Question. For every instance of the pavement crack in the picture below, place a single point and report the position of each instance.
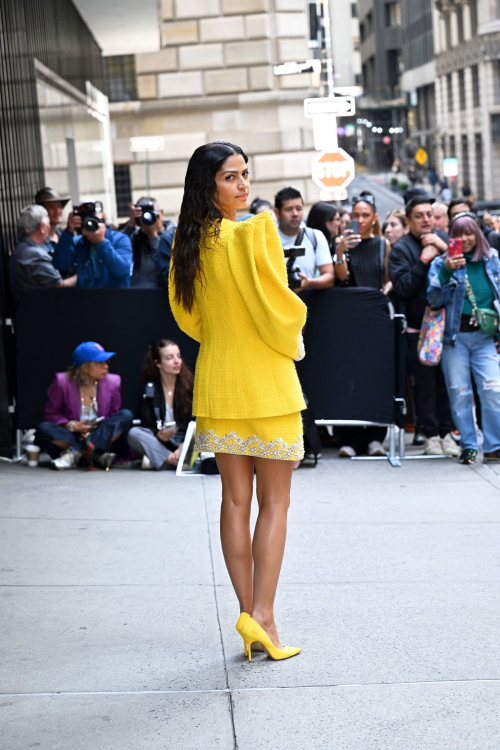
(214, 586)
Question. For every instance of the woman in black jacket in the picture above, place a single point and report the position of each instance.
(166, 407)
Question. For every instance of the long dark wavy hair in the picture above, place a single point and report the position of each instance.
(183, 392)
(199, 217)
(319, 214)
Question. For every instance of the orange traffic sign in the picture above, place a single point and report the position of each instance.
(333, 169)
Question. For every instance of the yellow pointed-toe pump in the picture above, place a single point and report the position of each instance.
(252, 632)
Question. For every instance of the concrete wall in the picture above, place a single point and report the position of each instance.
(213, 80)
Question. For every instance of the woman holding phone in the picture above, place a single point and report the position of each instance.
(83, 414)
(165, 407)
(229, 291)
(466, 281)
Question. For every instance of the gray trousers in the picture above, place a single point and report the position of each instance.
(145, 442)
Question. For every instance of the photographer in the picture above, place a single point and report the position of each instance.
(289, 209)
(103, 257)
(151, 255)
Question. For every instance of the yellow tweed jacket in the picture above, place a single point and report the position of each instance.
(248, 323)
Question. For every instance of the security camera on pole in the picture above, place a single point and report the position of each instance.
(333, 169)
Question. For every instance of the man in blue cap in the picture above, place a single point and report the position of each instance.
(83, 414)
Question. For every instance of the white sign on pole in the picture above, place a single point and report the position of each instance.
(339, 106)
(450, 167)
(146, 143)
(294, 68)
(325, 132)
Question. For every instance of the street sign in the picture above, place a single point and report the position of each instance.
(339, 106)
(450, 167)
(337, 194)
(421, 156)
(147, 143)
(333, 170)
(294, 68)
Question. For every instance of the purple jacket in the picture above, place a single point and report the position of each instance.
(64, 404)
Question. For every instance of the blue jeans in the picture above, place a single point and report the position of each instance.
(101, 437)
(474, 353)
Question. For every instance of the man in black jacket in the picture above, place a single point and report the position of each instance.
(409, 264)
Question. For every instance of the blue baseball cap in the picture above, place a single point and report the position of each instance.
(90, 351)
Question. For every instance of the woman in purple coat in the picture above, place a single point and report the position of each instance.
(82, 414)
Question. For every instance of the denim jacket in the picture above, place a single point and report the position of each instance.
(452, 294)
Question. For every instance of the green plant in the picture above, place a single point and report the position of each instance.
(394, 180)
(403, 186)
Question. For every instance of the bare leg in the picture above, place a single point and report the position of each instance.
(237, 490)
(273, 492)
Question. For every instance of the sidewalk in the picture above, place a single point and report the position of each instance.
(117, 615)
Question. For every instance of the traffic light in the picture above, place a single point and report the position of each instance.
(315, 26)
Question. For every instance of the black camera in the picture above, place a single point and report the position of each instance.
(88, 212)
(149, 215)
(291, 253)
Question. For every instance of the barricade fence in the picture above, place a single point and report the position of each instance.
(352, 370)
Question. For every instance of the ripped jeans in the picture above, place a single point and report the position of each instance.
(474, 354)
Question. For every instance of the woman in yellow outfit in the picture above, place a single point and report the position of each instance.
(229, 291)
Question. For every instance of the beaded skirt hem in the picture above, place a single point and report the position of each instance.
(278, 438)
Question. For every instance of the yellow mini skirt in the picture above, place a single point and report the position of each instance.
(267, 437)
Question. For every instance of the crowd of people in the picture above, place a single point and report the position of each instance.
(406, 256)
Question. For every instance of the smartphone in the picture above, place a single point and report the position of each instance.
(456, 247)
(95, 420)
(353, 225)
(168, 425)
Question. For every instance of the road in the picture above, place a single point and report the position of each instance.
(117, 615)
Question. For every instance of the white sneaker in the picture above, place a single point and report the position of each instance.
(67, 460)
(146, 464)
(433, 446)
(450, 448)
(376, 449)
(347, 452)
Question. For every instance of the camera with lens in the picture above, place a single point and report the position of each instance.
(149, 215)
(88, 212)
(291, 253)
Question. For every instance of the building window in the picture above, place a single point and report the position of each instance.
(354, 10)
(393, 14)
(369, 23)
(473, 16)
(120, 78)
(453, 150)
(461, 88)
(123, 188)
(449, 88)
(460, 23)
(496, 81)
(476, 97)
(465, 160)
(478, 144)
(447, 29)
(362, 34)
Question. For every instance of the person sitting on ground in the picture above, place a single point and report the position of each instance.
(325, 217)
(395, 225)
(316, 267)
(83, 414)
(440, 213)
(409, 264)
(103, 257)
(459, 205)
(166, 407)
(31, 265)
(362, 260)
(468, 284)
(151, 256)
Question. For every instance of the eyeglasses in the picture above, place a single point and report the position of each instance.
(366, 198)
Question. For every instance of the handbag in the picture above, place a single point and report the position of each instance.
(430, 341)
(486, 319)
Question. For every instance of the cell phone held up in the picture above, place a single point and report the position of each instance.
(455, 247)
(352, 224)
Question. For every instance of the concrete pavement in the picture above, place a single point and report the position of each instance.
(117, 616)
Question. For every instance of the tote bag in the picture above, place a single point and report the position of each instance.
(430, 342)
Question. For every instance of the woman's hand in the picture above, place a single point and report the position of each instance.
(347, 242)
(165, 435)
(387, 288)
(457, 261)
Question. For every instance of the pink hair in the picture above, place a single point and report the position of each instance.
(467, 225)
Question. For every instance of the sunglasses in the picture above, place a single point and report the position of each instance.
(365, 198)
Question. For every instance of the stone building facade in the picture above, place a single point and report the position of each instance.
(467, 43)
(213, 80)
